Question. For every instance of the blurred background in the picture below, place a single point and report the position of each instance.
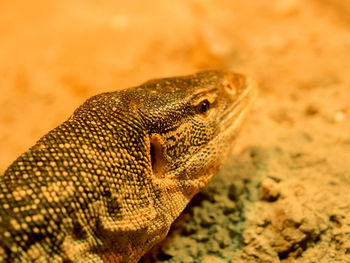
(56, 54)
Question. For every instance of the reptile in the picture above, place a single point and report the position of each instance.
(106, 185)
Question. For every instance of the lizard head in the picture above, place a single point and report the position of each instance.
(192, 122)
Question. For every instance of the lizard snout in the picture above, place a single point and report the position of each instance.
(236, 84)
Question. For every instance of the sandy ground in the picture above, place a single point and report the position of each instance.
(284, 195)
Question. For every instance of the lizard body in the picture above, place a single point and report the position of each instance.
(106, 185)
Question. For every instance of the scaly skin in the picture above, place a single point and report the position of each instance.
(106, 185)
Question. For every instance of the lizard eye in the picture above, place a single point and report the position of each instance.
(204, 106)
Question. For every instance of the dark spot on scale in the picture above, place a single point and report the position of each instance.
(107, 194)
(114, 208)
(78, 231)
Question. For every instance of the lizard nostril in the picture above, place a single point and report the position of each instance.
(230, 89)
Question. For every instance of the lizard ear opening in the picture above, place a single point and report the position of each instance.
(157, 157)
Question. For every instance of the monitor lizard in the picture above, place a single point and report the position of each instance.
(106, 185)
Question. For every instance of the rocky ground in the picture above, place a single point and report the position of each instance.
(284, 194)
